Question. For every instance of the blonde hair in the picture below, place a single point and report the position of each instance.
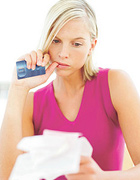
(62, 12)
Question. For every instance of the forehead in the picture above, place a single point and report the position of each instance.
(74, 28)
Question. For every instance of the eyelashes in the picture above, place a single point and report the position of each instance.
(76, 44)
(55, 41)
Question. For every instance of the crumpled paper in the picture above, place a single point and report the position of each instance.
(48, 156)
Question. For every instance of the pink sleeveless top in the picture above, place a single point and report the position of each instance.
(97, 120)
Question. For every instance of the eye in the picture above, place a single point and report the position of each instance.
(77, 44)
(55, 41)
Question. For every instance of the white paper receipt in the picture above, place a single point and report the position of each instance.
(48, 156)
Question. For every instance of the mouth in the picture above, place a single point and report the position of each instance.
(62, 65)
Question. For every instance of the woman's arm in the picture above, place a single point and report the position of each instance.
(126, 101)
(17, 121)
(11, 130)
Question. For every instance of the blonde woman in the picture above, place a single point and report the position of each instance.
(103, 104)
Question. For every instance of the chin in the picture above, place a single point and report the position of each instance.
(63, 73)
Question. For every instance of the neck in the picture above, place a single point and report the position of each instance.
(69, 85)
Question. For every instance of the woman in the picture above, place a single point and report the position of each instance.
(100, 103)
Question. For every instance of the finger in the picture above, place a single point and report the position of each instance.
(45, 59)
(86, 168)
(28, 59)
(39, 57)
(92, 165)
(86, 159)
(51, 68)
(34, 59)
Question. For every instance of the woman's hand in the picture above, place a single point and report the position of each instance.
(89, 170)
(33, 59)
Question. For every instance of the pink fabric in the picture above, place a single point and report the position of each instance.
(96, 119)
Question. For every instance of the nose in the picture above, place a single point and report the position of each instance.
(64, 54)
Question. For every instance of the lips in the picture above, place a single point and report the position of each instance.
(62, 64)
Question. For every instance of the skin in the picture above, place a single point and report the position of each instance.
(69, 84)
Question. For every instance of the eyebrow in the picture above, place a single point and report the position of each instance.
(80, 38)
(73, 38)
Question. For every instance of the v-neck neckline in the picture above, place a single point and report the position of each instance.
(59, 110)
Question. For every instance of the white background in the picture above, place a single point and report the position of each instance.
(118, 46)
(21, 24)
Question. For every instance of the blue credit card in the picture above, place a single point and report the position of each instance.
(24, 72)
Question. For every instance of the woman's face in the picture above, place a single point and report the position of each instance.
(71, 47)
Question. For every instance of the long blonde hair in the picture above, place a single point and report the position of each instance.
(62, 12)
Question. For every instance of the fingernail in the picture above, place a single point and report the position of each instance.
(29, 66)
(43, 64)
(39, 63)
(33, 67)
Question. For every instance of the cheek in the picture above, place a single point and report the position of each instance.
(52, 53)
(82, 55)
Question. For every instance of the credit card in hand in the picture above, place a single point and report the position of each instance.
(24, 72)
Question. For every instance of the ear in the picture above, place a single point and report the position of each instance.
(93, 44)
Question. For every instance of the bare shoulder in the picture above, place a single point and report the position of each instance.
(28, 129)
(122, 88)
(118, 76)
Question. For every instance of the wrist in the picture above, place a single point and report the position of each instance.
(115, 175)
(20, 88)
